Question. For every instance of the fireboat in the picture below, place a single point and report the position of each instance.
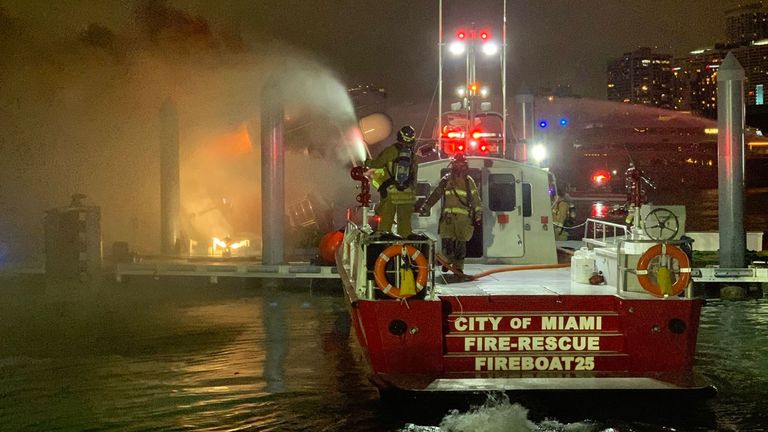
(617, 316)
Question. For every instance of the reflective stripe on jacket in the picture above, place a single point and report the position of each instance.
(457, 200)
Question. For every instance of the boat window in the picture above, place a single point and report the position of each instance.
(490, 123)
(423, 189)
(501, 192)
(527, 200)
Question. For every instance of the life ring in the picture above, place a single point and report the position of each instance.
(683, 273)
(381, 264)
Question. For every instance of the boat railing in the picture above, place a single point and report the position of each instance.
(617, 242)
(353, 257)
(600, 233)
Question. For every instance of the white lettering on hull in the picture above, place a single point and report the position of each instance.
(546, 323)
(477, 323)
(571, 323)
(532, 343)
(555, 363)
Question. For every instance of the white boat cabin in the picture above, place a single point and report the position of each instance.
(517, 225)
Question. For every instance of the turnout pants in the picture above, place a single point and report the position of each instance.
(455, 231)
(387, 210)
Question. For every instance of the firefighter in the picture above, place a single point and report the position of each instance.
(396, 166)
(461, 210)
(561, 212)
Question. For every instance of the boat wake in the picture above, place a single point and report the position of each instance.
(498, 414)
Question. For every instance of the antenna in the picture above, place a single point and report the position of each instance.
(629, 155)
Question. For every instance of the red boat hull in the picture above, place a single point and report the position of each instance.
(414, 345)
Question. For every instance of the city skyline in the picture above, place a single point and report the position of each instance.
(392, 44)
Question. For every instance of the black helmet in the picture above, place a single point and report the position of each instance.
(459, 163)
(406, 135)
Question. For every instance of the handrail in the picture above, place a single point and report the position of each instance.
(600, 231)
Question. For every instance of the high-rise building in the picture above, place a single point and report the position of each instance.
(695, 78)
(746, 24)
(754, 60)
(641, 77)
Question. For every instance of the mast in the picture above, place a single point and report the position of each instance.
(440, 79)
(504, 82)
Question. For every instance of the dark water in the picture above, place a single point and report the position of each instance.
(183, 355)
(161, 355)
(701, 208)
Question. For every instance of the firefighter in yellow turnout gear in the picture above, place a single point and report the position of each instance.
(396, 168)
(461, 210)
(561, 210)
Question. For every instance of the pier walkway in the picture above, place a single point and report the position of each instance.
(213, 270)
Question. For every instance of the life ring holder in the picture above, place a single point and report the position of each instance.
(665, 221)
(664, 250)
(379, 270)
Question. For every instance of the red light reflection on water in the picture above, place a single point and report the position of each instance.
(599, 210)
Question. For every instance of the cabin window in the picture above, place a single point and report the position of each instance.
(501, 192)
(423, 189)
(527, 200)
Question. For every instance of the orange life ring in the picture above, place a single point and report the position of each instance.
(381, 264)
(672, 251)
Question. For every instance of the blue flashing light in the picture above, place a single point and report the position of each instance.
(543, 124)
(563, 121)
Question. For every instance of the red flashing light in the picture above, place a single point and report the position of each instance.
(460, 147)
(484, 148)
(600, 178)
(461, 34)
(484, 35)
(476, 134)
(452, 132)
(599, 210)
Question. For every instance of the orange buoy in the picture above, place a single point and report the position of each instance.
(329, 243)
(659, 287)
(380, 269)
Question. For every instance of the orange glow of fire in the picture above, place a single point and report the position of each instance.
(220, 247)
(231, 144)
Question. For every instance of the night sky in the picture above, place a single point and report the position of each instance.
(81, 83)
(391, 42)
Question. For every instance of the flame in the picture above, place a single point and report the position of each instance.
(219, 246)
(230, 144)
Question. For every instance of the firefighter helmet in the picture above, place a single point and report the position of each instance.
(459, 164)
(406, 135)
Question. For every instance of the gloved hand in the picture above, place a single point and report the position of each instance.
(422, 210)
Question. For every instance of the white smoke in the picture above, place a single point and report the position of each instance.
(80, 115)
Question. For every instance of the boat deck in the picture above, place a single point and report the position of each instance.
(543, 282)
